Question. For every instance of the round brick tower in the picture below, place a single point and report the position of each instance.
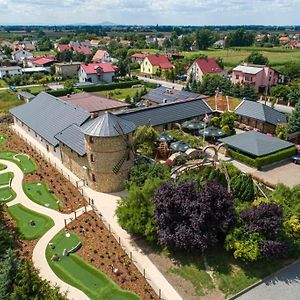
(108, 141)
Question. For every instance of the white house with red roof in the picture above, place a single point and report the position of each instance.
(202, 66)
(97, 73)
(154, 63)
(101, 56)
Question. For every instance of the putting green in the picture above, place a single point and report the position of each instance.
(25, 163)
(75, 271)
(5, 178)
(39, 193)
(2, 167)
(7, 194)
(31, 225)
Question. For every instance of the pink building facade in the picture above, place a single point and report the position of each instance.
(260, 77)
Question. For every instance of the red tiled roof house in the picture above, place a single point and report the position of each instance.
(202, 66)
(155, 63)
(97, 73)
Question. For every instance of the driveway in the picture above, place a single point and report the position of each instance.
(287, 173)
(167, 84)
(284, 285)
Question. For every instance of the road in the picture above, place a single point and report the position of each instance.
(21, 86)
(167, 84)
(283, 108)
(283, 285)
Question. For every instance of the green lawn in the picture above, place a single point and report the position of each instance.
(3, 83)
(39, 193)
(230, 275)
(2, 167)
(31, 225)
(120, 94)
(34, 89)
(75, 271)
(25, 163)
(8, 100)
(7, 194)
(5, 178)
(3, 139)
(49, 52)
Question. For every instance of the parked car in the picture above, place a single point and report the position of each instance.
(296, 159)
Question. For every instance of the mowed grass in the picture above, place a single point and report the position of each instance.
(39, 193)
(7, 194)
(8, 100)
(121, 94)
(31, 225)
(2, 167)
(75, 271)
(25, 163)
(3, 83)
(5, 178)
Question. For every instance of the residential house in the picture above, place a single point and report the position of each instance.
(10, 71)
(74, 47)
(63, 47)
(97, 73)
(138, 57)
(155, 63)
(203, 66)
(20, 55)
(95, 43)
(220, 44)
(67, 69)
(284, 40)
(261, 77)
(101, 56)
(44, 61)
(292, 45)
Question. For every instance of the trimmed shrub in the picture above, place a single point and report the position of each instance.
(242, 187)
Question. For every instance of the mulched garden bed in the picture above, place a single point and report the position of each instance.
(57, 183)
(102, 250)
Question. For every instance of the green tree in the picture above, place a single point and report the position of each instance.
(280, 91)
(281, 131)
(227, 119)
(204, 39)
(185, 44)
(257, 59)
(294, 96)
(69, 85)
(243, 187)
(8, 272)
(248, 92)
(294, 120)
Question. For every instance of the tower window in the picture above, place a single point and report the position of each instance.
(93, 177)
(92, 158)
(91, 139)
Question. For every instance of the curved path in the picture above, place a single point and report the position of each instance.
(39, 256)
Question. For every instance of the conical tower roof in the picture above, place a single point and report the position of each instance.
(108, 125)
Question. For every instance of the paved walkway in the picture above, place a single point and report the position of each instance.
(106, 204)
(168, 84)
(284, 285)
(39, 257)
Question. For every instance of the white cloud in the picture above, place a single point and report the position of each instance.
(198, 12)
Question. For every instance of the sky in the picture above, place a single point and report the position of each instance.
(147, 12)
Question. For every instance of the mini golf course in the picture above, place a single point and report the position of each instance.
(5, 178)
(31, 225)
(75, 271)
(24, 162)
(39, 193)
(2, 167)
(7, 194)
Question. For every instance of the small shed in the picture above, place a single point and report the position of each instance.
(25, 96)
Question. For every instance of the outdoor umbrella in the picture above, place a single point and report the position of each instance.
(180, 146)
(164, 137)
(212, 132)
(193, 125)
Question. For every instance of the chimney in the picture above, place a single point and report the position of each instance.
(165, 100)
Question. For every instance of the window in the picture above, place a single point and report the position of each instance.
(237, 76)
(92, 158)
(91, 139)
(47, 147)
(93, 177)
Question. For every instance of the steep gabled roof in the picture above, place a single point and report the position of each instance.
(260, 111)
(47, 115)
(108, 125)
(99, 55)
(208, 65)
(159, 60)
(92, 68)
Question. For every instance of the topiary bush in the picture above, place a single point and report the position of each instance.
(243, 187)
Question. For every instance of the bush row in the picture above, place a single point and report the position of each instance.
(264, 160)
(98, 87)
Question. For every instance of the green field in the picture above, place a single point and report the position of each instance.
(277, 56)
(31, 225)
(5, 178)
(120, 94)
(75, 271)
(8, 100)
(7, 194)
(2, 83)
(39, 193)
(25, 163)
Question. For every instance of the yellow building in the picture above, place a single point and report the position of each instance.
(155, 64)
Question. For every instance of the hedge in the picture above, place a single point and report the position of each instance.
(263, 160)
(98, 87)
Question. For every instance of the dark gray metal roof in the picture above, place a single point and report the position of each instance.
(73, 137)
(108, 125)
(48, 115)
(260, 111)
(163, 94)
(255, 143)
(166, 113)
